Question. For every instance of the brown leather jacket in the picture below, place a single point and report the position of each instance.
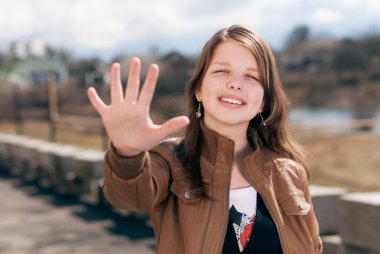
(184, 223)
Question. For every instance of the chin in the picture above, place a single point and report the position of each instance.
(228, 121)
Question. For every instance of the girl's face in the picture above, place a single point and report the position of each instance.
(231, 93)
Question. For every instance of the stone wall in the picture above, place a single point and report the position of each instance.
(349, 222)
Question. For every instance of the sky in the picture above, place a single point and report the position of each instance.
(106, 28)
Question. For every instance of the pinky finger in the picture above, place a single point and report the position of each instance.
(95, 100)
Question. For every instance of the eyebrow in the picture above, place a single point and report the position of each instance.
(228, 64)
(253, 69)
(222, 63)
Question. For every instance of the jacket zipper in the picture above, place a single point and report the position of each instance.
(269, 210)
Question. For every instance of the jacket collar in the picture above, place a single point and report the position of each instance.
(219, 151)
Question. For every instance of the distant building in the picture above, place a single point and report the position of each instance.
(33, 72)
(309, 56)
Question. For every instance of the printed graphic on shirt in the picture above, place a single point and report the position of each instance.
(243, 225)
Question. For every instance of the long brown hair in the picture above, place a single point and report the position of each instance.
(274, 136)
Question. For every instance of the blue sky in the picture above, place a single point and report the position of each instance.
(105, 28)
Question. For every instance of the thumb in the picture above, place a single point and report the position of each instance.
(95, 100)
(173, 125)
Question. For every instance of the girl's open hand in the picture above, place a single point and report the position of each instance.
(127, 119)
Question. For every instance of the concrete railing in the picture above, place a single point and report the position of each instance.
(359, 225)
(67, 170)
(349, 222)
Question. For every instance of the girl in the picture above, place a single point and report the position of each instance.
(235, 183)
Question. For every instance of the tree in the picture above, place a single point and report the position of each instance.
(351, 56)
(299, 34)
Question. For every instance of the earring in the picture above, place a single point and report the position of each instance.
(262, 119)
(198, 114)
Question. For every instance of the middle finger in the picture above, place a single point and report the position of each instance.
(116, 87)
(133, 84)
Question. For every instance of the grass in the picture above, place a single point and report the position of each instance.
(350, 161)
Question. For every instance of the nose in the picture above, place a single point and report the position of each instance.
(235, 85)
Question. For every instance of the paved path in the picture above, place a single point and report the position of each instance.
(37, 222)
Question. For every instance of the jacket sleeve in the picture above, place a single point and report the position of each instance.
(311, 219)
(137, 183)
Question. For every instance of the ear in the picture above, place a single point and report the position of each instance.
(262, 106)
(198, 95)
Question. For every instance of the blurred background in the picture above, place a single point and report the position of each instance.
(328, 53)
(51, 51)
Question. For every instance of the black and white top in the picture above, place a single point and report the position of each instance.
(250, 227)
(243, 214)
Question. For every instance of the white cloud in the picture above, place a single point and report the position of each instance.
(14, 20)
(373, 7)
(326, 16)
(349, 4)
(103, 25)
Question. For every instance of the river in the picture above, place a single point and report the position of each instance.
(318, 117)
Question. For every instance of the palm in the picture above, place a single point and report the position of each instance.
(127, 119)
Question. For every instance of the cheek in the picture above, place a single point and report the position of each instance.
(208, 91)
(258, 95)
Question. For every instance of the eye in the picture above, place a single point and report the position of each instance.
(252, 77)
(221, 71)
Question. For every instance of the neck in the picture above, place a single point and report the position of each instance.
(237, 133)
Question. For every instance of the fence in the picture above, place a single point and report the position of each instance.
(56, 121)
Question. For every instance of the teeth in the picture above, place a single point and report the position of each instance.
(232, 101)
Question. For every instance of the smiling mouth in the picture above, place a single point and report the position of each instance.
(232, 101)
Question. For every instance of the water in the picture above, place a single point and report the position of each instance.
(318, 117)
(376, 128)
(315, 116)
